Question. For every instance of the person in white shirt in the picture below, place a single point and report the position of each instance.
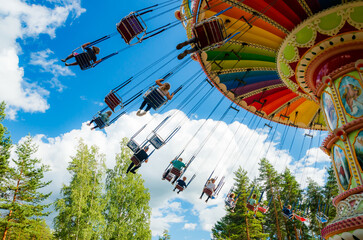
(211, 186)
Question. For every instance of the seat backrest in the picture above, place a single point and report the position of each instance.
(99, 122)
(209, 32)
(129, 27)
(155, 99)
(175, 171)
(112, 101)
(156, 141)
(84, 61)
(133, 145)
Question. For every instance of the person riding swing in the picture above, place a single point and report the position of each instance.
(137, 159)
(178, 165)
(92, 51)
(180, 184)
(163, 90)
(209, 189)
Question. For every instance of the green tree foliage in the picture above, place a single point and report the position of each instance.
(127, 212)
(315, 195)
(330, 190)
(21, 204)
(37, 229)
(80, 208)
(240, 224)
(5, 145)
(271, 180)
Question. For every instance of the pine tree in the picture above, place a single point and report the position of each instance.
(22, 202)
(127, 211)
(240, 224)
(5, 145)
(37, 229)
(271, 180)
(314, 193)
(80, 208)
(330, 191)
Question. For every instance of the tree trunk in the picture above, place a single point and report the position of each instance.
(247, 230)
(10, 212)
(296, 234)
(276, 215)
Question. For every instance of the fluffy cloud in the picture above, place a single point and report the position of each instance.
(190, 226)
(20, 20)
(47, 64)
(240, 146)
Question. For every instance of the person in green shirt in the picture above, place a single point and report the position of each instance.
(178, 164)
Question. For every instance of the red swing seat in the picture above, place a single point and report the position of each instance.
(135, 160)
(210, 33)
(250, 207)
(180, 188)
(130, 27)
(301, 219)
(169, 177)
(113, 100)
(262, 209)
(208, 191)
(175, 171)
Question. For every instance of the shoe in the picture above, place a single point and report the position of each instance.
(178, 192)
(180, 46)
(200, 198)
(63, 60)
(139, 113)
(206, 201)
(88, 124)
(133, 172)
(142, 114)
(67, 64)
(182, 55)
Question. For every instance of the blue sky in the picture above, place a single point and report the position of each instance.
(53, 103)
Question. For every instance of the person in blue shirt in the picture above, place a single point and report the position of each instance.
(181, 182)
(178, 164)
(288, 212)
(91, 50)
(105, 118)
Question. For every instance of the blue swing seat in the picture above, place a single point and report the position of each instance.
(154, 98)
(156, 141)
(99, 121)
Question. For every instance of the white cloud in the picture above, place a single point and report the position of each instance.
(20, 20)
(245, 149)
(50, 65)
(190, 226)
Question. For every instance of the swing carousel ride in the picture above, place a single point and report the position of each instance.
(298, 63)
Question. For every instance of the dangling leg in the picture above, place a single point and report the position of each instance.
(176, 178)
(71, 64)
(183, 44)
(207, 199)
(94, 127)
(186, 52)
(135, 168)
(165, 174)
(67, 58)
(129, 168)
(201, 195)
(89, 124)
(141, 107)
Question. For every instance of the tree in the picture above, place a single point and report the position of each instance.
(127, 212)
(314, 193)
(271, 180)
(80, 208)
(5, 145)
(166, 235)
(240, 224)
(330, 190)
(22, 202)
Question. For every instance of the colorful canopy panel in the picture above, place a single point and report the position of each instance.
(245, 69)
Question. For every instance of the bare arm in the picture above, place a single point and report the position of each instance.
(158, 82)
(169, 97)
(86, 44)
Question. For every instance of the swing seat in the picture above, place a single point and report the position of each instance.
(287, 216)
(263, 210)
(301, 219)
(154, 98)
(156, 141)
(133, 145)
(175, 171)
(130, 27)
(250, 207)
(210, 33)
(208, 191)
(180, 188)
(169, 177)
(84, 60)
(135, 160)
(113, 100)
(99, 122)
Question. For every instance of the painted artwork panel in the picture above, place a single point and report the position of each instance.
(351, 95)
(342, 167)
(329, 110)
(358, 146)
